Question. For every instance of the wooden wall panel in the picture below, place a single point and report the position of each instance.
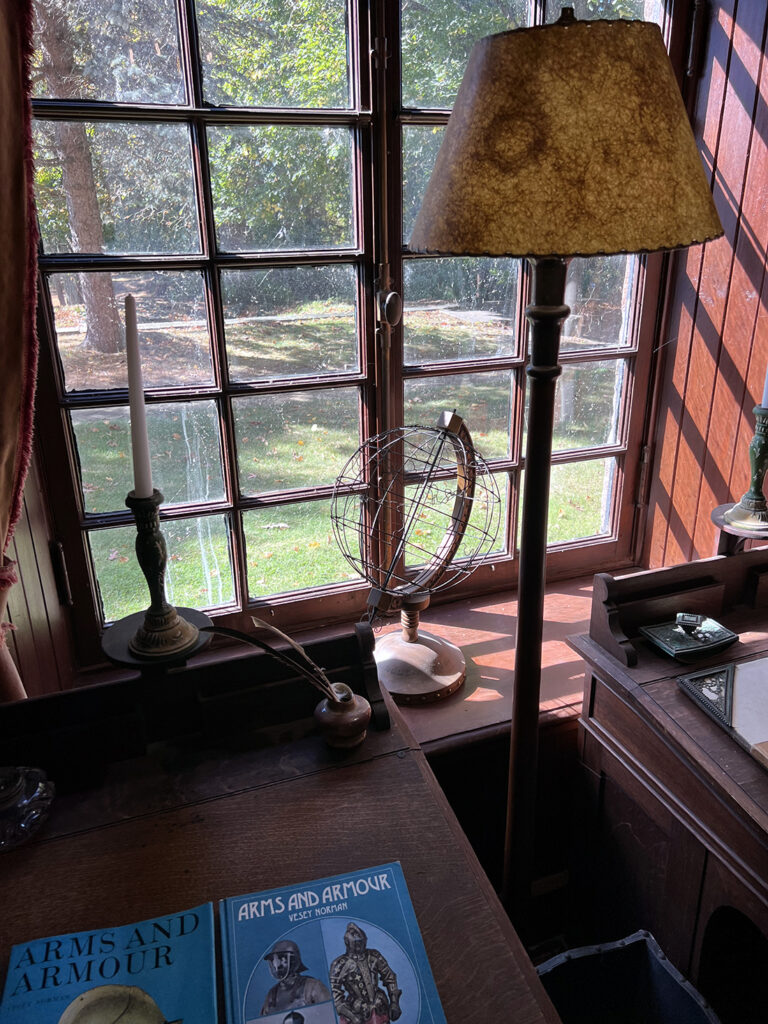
(40, 642)
(715, 343)
(740, 177)
(754, 230)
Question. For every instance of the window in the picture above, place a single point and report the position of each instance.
(250, 170)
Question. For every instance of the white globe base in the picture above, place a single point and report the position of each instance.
(421, 672)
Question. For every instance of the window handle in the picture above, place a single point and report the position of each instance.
(390, 308)
(60, 573)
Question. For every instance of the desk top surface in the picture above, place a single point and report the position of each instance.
(650, 690)
(154, 840)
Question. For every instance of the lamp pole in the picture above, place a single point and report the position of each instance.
(545, 314)
(567, 138)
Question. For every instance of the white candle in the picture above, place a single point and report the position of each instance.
(764, 400)
(142, 472)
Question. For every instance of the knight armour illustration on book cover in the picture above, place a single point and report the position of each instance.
(341, 950)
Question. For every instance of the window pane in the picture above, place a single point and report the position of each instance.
(291, 548)
(588, 403)
(580, 497)
(420, 146)
(484, 533)
(580, 500)
(289, 322)
(459, 309)
(274, 53)
(302, 439)
(599, 292)
(281, 187)
(437, 36)
(198, 573)
(586, 10)
(483, 400)
(184, 445)
(89, 315)
(115, 187)
(99, 51)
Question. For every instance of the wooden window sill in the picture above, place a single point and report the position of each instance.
(484, 628)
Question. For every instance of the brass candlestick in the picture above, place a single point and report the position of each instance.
(751, 513)
(164, 632)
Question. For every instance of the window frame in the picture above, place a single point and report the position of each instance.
(377, 122)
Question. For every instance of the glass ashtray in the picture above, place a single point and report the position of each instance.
(25, 799)
(690, 643)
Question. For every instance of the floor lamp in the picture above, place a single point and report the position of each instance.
(565, 140)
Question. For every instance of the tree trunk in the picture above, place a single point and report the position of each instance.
(102, 322)
(103, 331)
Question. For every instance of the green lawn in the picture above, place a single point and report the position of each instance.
(289, 441)
(576, 500)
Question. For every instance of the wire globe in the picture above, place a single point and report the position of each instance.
(424, 525)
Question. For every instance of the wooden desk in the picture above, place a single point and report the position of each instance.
(678, 839)
(152, 841)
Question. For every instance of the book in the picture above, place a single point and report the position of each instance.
(160, 971)
(339, 950)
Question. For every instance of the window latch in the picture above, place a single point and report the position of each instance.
(380, 51)
(390, 306)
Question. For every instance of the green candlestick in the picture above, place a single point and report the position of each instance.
(164, 632)
(751, 513)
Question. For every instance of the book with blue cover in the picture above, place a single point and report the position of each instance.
(339, 950)
(160, 971)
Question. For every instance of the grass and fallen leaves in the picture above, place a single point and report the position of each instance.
(286, 441)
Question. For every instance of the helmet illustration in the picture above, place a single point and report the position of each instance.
(287, 946)
(355, 938)
(108, 1004)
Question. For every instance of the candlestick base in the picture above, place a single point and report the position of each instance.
(163, 634)
(117, 642)
(746, 518)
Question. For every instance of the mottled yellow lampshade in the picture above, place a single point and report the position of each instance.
(567, 140)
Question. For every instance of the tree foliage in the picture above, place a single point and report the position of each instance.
(437, 36)
(274, 53)
(275, 187)
(281, 187)
(120, 50)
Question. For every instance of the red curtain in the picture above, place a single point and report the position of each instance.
(18, 275)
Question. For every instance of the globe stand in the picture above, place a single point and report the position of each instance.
(411, 532)
(418, 668)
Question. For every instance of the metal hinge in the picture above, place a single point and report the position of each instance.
(641, 493)
(60, 574)
(699, 18)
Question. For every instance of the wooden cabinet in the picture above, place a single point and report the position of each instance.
(677, 829)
